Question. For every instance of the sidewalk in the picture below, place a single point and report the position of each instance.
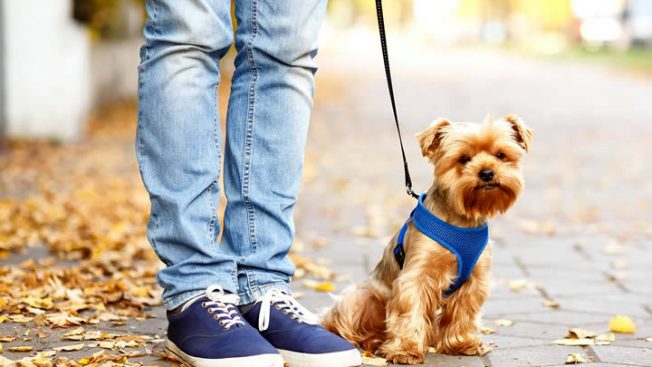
(579, 237)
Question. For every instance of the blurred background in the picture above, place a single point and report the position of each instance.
(73, 210)
(71, 57)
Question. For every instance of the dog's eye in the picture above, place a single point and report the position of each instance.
(500, 155)
(465, 159)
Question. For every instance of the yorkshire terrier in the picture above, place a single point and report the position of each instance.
(402, 311)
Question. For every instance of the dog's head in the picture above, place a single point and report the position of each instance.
(478, 165)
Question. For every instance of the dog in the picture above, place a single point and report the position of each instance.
(400, 312)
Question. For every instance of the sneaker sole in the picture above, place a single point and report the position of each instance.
(261, 360)
(347, 358)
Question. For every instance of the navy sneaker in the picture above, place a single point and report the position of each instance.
(297, 335)
(209, 331)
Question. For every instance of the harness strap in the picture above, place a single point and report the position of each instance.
(467, 244)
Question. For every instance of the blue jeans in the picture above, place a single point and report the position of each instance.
(179, 142)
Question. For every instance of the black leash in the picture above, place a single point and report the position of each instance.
(388, 73)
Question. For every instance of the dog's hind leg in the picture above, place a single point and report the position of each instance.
(359, 318)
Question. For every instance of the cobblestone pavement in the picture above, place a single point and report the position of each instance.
(580, 234)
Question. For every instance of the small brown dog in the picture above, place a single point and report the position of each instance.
(400, 312)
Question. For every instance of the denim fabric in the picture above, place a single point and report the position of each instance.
(179, 143)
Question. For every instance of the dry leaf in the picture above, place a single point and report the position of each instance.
(575, 342)
(622, 324)
(23, 348)
(504, 322)
(518, 285)
(550, 303)
(373, 361)
(487, 331)
(318, 286)
(575, 358)
(577, 333)
(69, 348)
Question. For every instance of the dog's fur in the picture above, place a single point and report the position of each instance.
(398, 313)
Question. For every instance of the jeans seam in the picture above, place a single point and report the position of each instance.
(154, 14)
(248, 149)
(139, 149)
(215, 184)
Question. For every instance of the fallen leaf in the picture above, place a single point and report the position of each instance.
(69, 348)
(504, 322)
(23, 348)
(622, 324)
(487, 331)
(36, 302)
(575, 358)
(517, 285)
(577, 333)
(572, 342)
(373, 361)
(318, 286)
(551, 303)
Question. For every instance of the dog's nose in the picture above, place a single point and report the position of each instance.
(486, 174)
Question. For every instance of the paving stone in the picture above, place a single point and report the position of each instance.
(548, 332)
(623, 305)
(531, 356)
(626, 355)
(507, 342)
(561, 317)
(440, 360)
(595, 365)
(501, 308)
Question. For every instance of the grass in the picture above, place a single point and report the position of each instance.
(637, 58)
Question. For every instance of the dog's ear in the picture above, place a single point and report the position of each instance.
(522, 133)
(430, 138)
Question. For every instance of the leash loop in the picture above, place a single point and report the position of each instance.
(390, 87)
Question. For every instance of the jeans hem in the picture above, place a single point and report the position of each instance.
(178, 300)
(253, 294)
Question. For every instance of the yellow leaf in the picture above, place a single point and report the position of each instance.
(69, 348)
(575, 342)
(36, 302)
(325, 287)
(83, 361)
(622, 324)
(575, 358)
(23, 348)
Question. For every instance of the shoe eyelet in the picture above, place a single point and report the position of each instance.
(278, 307)
(216, 318)
(203, 304)
(286, 312)
(211, 311)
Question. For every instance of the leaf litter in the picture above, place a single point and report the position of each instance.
(86, 205)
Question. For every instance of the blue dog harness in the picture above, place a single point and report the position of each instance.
(466, 244)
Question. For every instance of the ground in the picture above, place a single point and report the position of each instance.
(575, 251)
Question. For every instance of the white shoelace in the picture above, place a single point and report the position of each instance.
(222, 305)
(286, 303)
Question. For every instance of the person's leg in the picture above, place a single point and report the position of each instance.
(178, 149)
(178, 142)
(267, 123)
